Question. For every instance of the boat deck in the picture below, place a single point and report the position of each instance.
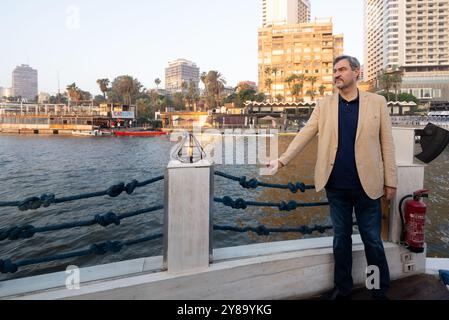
(419, 287)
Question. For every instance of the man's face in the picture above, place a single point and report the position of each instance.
(344, 76)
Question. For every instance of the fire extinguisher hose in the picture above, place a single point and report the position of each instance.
(402, 216)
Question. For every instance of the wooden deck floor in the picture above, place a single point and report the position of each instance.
(419, 287)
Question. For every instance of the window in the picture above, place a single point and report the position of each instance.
(436, 93)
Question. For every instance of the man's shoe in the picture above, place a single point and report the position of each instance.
(335, 294)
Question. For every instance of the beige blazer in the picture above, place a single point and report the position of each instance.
(374, 147)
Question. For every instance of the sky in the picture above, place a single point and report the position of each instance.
(84, 40)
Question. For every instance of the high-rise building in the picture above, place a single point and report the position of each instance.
(5, 92)
(304, 50)
(180, 71)
(24, 82)
(412, 35)
(279, 12)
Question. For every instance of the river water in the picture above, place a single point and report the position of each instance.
(33, 165)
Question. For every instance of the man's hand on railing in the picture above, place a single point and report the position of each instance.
(273, 166)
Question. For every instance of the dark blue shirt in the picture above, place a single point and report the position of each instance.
(345, 175)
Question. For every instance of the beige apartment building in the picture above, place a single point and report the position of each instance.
(412, 35)
(280, 12)
(306, 50)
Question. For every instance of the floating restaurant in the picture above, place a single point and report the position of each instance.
(61, 119)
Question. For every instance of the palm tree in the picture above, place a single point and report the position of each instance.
(268, 83)
(128, 88)
(385, 82)
(268, 73)
(73, 92)
(203, 79)
(396, 79)
(296, 90)
(322, 88)
(184, 87)
(301, 78)
(275, 72)
(157, 81)
(312, 81)
(192, 94)
(103, 84)
(289, 80)
(311, 93)
(215, 84)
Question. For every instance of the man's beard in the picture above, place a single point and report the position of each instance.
(342, 85)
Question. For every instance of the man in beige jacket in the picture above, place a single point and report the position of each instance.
(355, 165)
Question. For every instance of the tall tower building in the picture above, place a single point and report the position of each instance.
(412, 35)
(280, 12)
(24, 82)
(180, 71)
(296, 60)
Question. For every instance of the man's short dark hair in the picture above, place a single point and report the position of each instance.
(353, 62)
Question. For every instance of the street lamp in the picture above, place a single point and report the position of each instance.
(189, 150)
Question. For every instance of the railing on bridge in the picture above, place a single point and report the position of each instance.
(188, 220)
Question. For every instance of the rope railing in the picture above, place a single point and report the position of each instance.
(254, 183)
(262, 230)
(8, 266)
(16, 232)
(104, 220)
(282, 206)
(48, 199)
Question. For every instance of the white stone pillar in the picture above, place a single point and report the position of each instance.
(410, 176)
(188, 216)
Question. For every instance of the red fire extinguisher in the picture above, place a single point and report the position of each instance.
(413, 217)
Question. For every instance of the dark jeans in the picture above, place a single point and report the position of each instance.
(369, 216)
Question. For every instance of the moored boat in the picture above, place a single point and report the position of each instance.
(91, 133)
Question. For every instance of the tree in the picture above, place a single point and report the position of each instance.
(178, 101)
(268, 83)
(192, 95)
(296, 90)
(301, 78)
(214, 85)
(291, 79)
(72, 91)
(125, 89)
(403, 97)
(275, 72)
(99, 99)
(59, 98)
(279, 97)
(157, 81)
(103, 84)
(145, 111)
(268, 74)
(385, 82)
(76, 94)
(322, 89)
(85, 95)
(312, 92)
(408, 97)
(396, 81)
(203, 79)
(155, 99)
